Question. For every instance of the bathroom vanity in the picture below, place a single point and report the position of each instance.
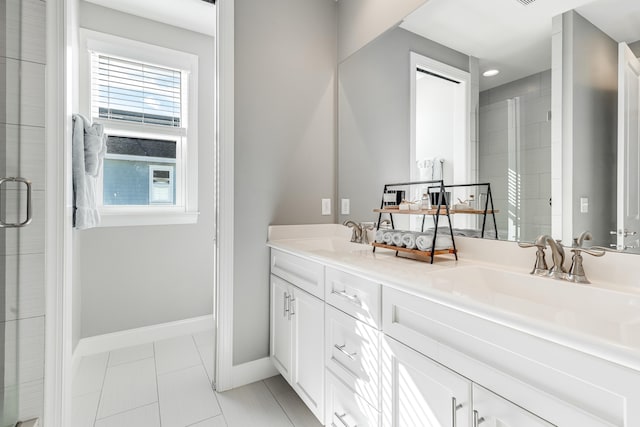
(370, 339)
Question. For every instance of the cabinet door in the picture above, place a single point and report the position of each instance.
(281, 326)
(491, 410)
(307, 321)
(422, 392)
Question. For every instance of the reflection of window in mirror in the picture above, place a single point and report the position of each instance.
(440, 142)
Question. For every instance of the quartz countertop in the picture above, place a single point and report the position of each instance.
(600, 321)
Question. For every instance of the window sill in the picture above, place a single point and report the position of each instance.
(125, 218)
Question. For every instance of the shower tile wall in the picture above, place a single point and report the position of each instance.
(22, 153)
(535, 151)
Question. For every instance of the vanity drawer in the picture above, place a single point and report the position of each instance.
(352, 352)
(305, 274)
(354, 295)
(345, 408)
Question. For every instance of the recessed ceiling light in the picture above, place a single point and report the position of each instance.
(491, 73)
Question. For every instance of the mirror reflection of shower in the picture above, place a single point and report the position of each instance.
(513, 155)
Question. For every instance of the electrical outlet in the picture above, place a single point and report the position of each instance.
(346, 207)
(584, 205)
(326, 206)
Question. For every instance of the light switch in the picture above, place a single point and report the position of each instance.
(326, 206)
(584, 205)
(346, 207)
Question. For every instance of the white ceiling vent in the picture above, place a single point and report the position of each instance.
(525, 2)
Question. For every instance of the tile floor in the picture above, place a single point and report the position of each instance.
(167, 384)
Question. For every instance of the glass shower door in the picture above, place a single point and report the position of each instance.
(22, 136)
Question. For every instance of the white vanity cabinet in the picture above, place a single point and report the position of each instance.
(422, 392)
(533, 394)
(425, 393)
(491, 410)
(297, 328)
(361, 353)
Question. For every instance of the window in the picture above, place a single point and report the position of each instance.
(146, 98)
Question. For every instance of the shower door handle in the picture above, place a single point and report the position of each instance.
(27, 220)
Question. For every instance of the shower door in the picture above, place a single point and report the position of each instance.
(22, 135)
(514, 155)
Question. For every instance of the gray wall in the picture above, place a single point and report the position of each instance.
(284, 142)
(361, 21)
(138, 276)
(534, 152)
(635, 48)
(373, 109)
(590, 93)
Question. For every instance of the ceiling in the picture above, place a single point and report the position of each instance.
(194, 15)
(513, 38)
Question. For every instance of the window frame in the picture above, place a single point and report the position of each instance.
(185, 211)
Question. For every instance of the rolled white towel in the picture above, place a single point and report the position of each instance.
(380, 236)
(424, 242)
(409, 240)
(397, 239)
(387, 237)
(444, 241)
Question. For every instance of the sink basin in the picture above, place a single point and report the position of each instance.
(607, 314)
(333, 245)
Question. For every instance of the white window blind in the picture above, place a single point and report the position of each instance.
(135, 92)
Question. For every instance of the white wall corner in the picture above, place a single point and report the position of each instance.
(223, 304)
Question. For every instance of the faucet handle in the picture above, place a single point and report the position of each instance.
(540, 268)
(364, 227)
(576, 271)
(530, 245)
(356, 233)
(593, 251)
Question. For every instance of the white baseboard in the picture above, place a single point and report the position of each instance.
(250, 372)
(144, 335)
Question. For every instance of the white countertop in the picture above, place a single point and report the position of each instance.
(599, 321)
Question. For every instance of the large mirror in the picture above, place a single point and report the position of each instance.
(400, 97)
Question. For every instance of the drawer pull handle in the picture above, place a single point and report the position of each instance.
(477, 420)
(454, 411)
(352, 298)
(291, 302)
(286, 304)
(341, 348)
(341, 419)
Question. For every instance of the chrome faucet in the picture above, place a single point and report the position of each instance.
(576, 271)
(364, 228)
(557, 271)
(356, 233)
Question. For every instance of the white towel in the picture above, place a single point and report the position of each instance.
(387, 237)
(424, 242)
(380, 236)
(409, 240)
(88, 150)
(397, 238)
